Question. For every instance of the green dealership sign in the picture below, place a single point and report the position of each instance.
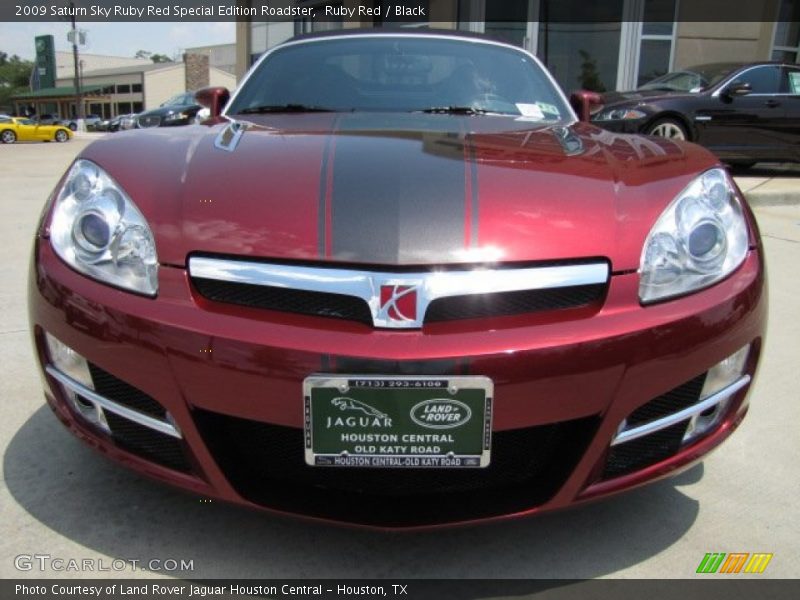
(46, 60)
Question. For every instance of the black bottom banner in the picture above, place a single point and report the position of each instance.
(409, 589)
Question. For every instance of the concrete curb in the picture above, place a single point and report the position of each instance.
(770, 192)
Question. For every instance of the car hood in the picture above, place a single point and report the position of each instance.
(396, 190)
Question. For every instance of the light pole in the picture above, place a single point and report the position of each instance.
(78, 94)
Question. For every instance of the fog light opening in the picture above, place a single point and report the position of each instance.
(68, 361)
(73, 365)
(725, 373)
(720, 376)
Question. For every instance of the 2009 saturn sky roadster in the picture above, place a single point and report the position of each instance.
(394, 281)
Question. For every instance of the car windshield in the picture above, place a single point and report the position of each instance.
(403, 73)
(179, 100)
(694, 79)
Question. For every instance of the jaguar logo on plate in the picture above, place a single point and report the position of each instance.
(440, 413)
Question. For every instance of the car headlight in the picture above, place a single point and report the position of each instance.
(97, 230)
(620, 114)
(698, 240)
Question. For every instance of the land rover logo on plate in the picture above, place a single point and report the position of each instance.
(440, 413)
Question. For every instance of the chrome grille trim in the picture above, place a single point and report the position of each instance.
(627, 435)
(366, 285)
(111, 406)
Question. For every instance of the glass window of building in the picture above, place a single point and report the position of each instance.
(786, 44)
(657, 39)
(581, 55)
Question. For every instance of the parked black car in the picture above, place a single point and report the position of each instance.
(742, 112)
(178, 110)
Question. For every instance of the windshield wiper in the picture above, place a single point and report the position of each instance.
(284, 108)
(457, 110)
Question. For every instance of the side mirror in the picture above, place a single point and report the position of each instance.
(213, 98)
(584, 101)
(737, 88)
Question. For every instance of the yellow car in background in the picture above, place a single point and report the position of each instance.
(14, 129)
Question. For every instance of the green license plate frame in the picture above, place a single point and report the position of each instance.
(388, 421)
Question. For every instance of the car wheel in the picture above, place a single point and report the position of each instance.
(61, 136)
(668, 128)
(73, 126)
(8, 137)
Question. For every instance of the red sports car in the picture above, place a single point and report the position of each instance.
(394, 282)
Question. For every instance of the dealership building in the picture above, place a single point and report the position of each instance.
(608, 45)
(114, 85)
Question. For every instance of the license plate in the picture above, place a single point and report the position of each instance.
(398, 422)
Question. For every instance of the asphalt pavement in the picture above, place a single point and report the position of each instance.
(61, 499)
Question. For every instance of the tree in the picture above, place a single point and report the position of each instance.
(589, 78)
(14, 78)
(155, 57)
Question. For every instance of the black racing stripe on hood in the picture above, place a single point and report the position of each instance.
(323, 197)
(394, 201)
(472, 164)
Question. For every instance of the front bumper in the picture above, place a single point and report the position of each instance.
(229, 379)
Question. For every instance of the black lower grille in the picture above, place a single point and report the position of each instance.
(123, 393)
(296, 301)
(513, 303)
(265, 465)
(649, 449)
(673, 401)
(644, 451)
(152, 445)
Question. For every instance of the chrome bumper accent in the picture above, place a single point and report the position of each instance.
(627, 435)
(429, 285)
(111, 406)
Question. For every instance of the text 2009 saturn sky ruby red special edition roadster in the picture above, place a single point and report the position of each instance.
(393, 281)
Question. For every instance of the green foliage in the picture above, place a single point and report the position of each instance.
(14, 77)
(156, 58)
(589, 79)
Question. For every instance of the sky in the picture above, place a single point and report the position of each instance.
(118, 39)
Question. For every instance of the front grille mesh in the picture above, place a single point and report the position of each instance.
(673, 401)
(123, 393)
(660, 445)
(265, 464)
(352, 308)
(287, 300)
(152, 445)
(644, 451)
(512, 303)
(137, 439)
